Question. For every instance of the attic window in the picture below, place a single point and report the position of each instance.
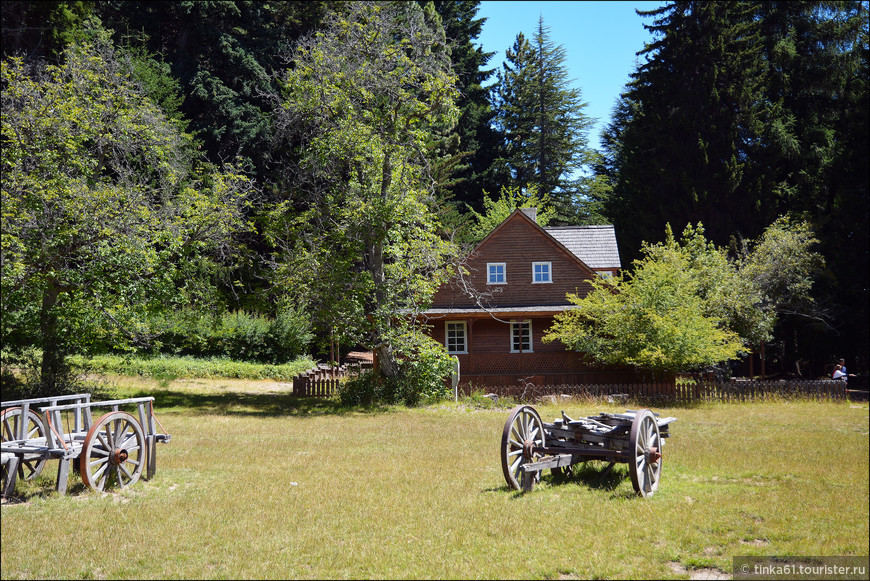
(496, 273)
(541, 272)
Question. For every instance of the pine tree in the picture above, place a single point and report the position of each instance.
(693, 121)
(541, 117)
(478, 142)
(743, 112)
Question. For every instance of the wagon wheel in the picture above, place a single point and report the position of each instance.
(523, 428)
(113, 452)
(31, 465)
(645, 447)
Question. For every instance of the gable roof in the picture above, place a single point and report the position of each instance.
(594, 245)
(529, 215)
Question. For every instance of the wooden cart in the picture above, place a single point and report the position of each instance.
(111, 451)
(636, 438)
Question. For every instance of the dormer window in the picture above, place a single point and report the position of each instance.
(541, 272)
(496, 273)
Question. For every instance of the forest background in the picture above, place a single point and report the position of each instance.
(265, 180)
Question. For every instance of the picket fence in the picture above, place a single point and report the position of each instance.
(323, 381)
(326, 382)
(732, 391)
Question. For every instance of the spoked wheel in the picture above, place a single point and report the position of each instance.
(31, 464)
(645, 444)
(113, 453)
(523, 430)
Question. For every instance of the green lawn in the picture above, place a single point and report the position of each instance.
(258, 484)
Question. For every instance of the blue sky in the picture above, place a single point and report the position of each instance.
(600, 40)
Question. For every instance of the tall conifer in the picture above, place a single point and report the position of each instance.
(541, 117)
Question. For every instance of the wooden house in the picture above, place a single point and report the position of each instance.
(494, 318)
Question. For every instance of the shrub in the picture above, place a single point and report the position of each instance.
(362, 390)
(189, 367)
(424, 374)
(238, 335)
(422, 378)
(242, 335)
(21, 378)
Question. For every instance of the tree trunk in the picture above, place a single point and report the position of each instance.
(389, 366)
(52, 368)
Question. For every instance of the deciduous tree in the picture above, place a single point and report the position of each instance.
(686, 305)
(367, 98)
(104, 205)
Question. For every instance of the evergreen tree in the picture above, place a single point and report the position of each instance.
(687, 127)
(225, 55)
(478, 141)
(742, 112)
(541, 117)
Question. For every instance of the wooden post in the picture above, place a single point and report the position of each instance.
(331, 348)
(63, 475)
(151, 453)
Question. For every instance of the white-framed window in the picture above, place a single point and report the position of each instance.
(521, 337)
(604, 273)
(496, 273)
(456, 337)
(542, 272)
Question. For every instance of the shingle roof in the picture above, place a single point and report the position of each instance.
(594, 245)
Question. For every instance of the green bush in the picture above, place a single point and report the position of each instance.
(289, 334)
(187, 367)
(424, 375)
(238, 335)
(242, 335)
(422, 378)
(21, 377)
(362, 390)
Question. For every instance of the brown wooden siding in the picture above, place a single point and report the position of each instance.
(518, 244)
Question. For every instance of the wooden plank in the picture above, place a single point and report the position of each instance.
(63, 475)
(557, 461)
(151, 456)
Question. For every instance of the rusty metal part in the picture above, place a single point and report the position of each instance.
(119, 456)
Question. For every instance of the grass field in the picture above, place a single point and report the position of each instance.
(258, 484)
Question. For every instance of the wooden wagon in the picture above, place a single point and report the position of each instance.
(112, 451)
(636, 438)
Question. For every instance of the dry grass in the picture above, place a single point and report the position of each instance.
(257, 484)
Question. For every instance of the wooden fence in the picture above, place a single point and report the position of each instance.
(316, 387)
(325, 382)
(682, 393)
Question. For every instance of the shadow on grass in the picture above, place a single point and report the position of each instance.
(593, 474)
(253, 404)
